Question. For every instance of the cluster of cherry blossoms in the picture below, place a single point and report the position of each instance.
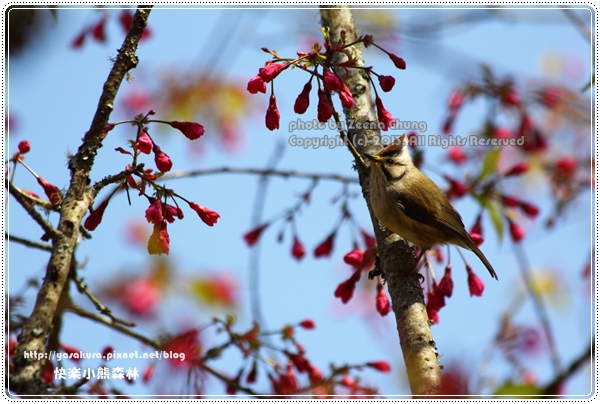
(319, 64)
(160, 211)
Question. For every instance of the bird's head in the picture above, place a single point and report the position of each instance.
(392, 160)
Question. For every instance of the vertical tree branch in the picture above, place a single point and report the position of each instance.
(396, 257)
(79, 197)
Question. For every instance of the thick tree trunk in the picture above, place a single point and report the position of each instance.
(31, 343)
(396, 257)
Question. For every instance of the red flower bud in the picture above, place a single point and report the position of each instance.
(79, 40)
(94, 219)
(271, 71)
(144, 143)
(370, 241)
(355, 258)
(457, 155)
(447, 128)
(455, 100)
(303, 100)
(98, 31)
(529, 209)
(324, 108)
(435, 298)
(477, 239)
(272, 117)
(516, 232)
(256, 84)
(315, 375)
(252, 236)
(509, 201)
(324, 249)
(384, 117)
(208, 216)
(476, 285)
(51, 191)
(72, 351)
(298, 249)
(148, 372)
(345, 290)
(566, 166)
(386, 82)
(308, 324)
(510, 98)
(24, 146)
(382, 303)
(251, 378)
(398, 61)
(162, 160)
(382, 366)
(517, 169)
(446, 285)
(330, 80)
(191, 130)
(457, 188)
(154, 213)
(345, 95)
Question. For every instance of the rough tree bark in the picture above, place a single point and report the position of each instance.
(36, 330)
(396, 257)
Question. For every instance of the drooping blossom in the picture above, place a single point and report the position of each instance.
(272, 117)
(303, 100)
(256, 85)
(191, 130)
(386, 82)
(326, 247)
(207, 215)
(476, 285)
(324, 108)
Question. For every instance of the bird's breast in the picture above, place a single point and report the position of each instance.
(388, 210)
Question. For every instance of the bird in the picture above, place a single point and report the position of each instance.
(410, 204)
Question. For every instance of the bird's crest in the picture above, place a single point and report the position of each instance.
(394, 148)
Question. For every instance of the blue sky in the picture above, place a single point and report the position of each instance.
(53, 92)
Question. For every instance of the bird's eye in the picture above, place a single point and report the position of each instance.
(389, 161)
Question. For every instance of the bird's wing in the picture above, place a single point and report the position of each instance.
(434, 210)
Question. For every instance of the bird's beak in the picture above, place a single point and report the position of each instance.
(370, 157)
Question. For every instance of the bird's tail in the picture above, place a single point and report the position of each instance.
(483, 259)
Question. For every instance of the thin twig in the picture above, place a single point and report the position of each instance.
(28, 243)
(260, 171)
(113, 179)
(152, 343)
(229, 381)
(257, 212)
(82, 287)
(538, 304)
(40, 202)
(69, 390)
(35, 215)
(117, 327)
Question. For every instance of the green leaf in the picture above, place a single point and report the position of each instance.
(490, 162)
(494, 208)
(518, 390)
